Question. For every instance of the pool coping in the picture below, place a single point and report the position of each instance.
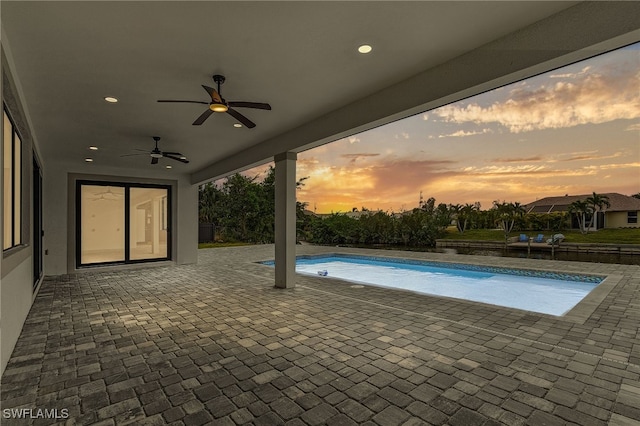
(579, 314)
(585, 308)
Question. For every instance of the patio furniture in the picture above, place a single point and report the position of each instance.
(556, 239)
(539, 238)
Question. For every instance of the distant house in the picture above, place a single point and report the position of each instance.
(623, 212)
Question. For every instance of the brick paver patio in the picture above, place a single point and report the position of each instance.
(215, 343)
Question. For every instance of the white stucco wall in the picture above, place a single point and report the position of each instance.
(16, 265)
(15, 302)
(185, 203)
(54, 202)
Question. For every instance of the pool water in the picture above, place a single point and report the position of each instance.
(538, 291)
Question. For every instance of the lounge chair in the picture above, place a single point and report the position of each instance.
(539, 239)
(523, 238)
(556, 239)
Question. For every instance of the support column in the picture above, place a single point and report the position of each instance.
(285, 229)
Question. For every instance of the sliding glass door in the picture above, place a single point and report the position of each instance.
(148, 229)
(121, 223)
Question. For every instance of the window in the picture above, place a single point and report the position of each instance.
(12, 190)
(632, 217)
(121, 223)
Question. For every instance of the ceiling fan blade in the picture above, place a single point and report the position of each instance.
(154, 160)
(131, 155)
(215, 96)
(209, 90)
(256, 105)
(202, 117)
(181, 101)
(241, 118)
(172, 153)
(182, 160)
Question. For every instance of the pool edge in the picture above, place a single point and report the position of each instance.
(587, 306)
(579, 314)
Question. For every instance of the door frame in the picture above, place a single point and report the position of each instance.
(37, 226)
(127, 222)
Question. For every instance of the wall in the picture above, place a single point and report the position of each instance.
(619, 220)
(16, 264)
(186, 198)
(15, 303)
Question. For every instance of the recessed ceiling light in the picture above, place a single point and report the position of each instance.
(93, 148)
(88, 160)
(111, 99)
(365, 48)
(168, 166)
(237, 125)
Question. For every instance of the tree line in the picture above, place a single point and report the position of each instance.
(243, 209)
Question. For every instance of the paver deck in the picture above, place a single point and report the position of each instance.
(215, 343)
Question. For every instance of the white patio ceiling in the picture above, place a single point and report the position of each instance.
(298, 56)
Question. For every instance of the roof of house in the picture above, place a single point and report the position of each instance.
(618, 202)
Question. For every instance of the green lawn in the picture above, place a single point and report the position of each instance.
(606, 236)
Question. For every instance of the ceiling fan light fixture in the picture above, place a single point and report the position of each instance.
(218, 107)
(156, 155)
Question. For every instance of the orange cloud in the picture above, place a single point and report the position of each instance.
(517, 159)
(586, 98)
(462, 133)
(385, 184)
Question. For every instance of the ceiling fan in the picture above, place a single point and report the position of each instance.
(219, 104)
(157, 154)
(108, 193)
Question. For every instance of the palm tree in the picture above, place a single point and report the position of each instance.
(466, 213)
(582, 210)
(598, 202)
(507, 213)
(455, 212)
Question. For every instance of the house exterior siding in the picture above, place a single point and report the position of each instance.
(619, 220)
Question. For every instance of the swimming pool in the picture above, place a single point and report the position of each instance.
(532, 290)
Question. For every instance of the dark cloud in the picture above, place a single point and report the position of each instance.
(354, 157)
(395, 177)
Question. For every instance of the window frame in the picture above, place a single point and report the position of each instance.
(15, 196)
(632, 217)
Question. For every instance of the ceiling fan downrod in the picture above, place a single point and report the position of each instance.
(219, 79)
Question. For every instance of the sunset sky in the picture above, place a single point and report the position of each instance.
(573, 131)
